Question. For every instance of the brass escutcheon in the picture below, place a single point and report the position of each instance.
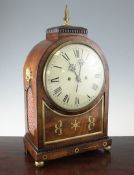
(44, 157)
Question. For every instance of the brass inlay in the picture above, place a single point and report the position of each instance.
(104, 144)
(28, 76)
(76, 150)
(58, 128)
(91, 147)
(91, 123)
(75, 125)
(71, 138)
(66, 16)
(75, 137)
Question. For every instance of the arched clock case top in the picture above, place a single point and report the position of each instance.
(50, 51)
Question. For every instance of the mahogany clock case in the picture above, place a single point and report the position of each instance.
(40, 140)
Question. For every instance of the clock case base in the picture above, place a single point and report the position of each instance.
(42, 155)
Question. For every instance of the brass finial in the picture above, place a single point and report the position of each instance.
(66, 15)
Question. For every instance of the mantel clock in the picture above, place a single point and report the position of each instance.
(66, 86)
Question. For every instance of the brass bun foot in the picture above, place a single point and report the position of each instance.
(39, 164)
(107, 148)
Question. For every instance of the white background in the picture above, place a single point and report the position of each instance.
(110, 24)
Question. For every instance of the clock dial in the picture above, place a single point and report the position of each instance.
(73, 76)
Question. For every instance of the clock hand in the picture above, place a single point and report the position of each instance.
(81, 62)
(79, 79)
(72, 68)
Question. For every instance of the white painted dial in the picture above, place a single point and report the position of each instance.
(73, 76)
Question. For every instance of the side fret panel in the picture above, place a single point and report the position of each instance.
(30, 111)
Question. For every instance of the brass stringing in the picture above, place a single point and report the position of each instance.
(91, 123)
(95, 146)
(58, 128)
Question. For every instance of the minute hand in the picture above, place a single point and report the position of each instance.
(78, 78)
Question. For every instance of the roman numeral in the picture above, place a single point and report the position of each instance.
(58, 67)
(66, 98)
(89, 97)
(55, 80)
(58, 91)
(65, 56)
(76, 53)
(94, 86)
(76, 100)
